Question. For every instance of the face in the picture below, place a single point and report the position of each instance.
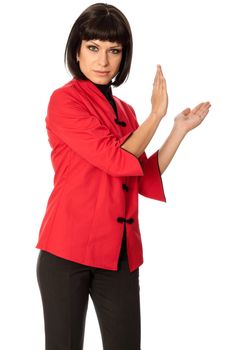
(100, 60)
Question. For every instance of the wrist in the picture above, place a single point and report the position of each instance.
(155, 115)
(181, 132)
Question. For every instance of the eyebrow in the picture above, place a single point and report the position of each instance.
(111, 47)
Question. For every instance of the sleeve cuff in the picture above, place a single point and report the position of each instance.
(151, 185)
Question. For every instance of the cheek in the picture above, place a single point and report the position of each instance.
(85, 61)
(117, 63)
(85, 56)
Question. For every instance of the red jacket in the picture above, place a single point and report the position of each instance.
(96, 182)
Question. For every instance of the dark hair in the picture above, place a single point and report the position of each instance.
(100, 22)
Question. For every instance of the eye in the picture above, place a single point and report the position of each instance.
(116, 51)
(92, 48)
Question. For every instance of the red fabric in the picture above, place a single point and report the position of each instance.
(91, 170)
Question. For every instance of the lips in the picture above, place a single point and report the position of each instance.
(101, 72)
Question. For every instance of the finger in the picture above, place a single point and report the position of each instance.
(205, 114)
(157, 74)
(157, 81)
(195, 109)
(201, 105)
(207, 105)
(162, 80)
(160, 69)
(186, 111)
(203, 108)
(161, 74)
(202, 115)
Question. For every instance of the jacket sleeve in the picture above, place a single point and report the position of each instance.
(151, 185)
(71, 122)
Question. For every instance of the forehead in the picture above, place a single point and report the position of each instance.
(103, 44)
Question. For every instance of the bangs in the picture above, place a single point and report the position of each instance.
(105, 29)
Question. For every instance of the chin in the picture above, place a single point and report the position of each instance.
(101, 81)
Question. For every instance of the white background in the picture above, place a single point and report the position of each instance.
(185, 281)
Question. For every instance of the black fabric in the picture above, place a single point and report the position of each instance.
(123, 252)
(65, 287)
(107, 92)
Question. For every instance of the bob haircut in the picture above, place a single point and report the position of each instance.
(100, 22)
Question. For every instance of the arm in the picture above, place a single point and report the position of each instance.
(169, 148)
(141, 137)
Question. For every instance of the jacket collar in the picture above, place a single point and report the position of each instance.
(89, 86)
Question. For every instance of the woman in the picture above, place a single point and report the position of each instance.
(89, 240)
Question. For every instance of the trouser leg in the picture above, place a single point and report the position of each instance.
(116, 298)
(64, 288)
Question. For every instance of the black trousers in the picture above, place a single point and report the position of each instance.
(65, 287)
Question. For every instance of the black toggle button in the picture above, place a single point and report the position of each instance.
(119, 122)
(120, 219)
(129, 221)
(125, 187)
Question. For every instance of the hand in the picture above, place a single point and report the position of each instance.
(189, 119)
(159, 98)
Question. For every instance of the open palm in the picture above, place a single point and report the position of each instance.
(189, 119)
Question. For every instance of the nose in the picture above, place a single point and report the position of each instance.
(103, 59)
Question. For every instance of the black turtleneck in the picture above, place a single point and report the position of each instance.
(107, 92)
